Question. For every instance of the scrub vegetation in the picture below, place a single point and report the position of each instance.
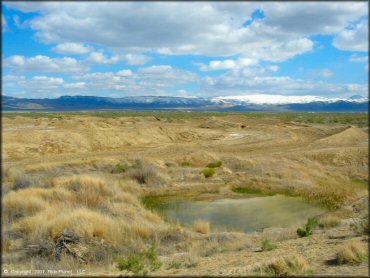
(79, 191)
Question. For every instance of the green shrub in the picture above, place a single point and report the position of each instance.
(138, 164)
(302, 232)
(256, 191)
(174, 264)
(133, 263)
(185, 164)
(120, 168)
(142, 263)
(141, 172)
(308, 230)
(267, 245)
(208, 172)
(215, 164)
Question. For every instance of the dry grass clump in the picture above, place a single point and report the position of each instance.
(208, 172)
(89, 206)
(293, 265)
(18, 205)
(93, 191)
(29, 201)
(88, 224)
(329, 221)
(203, 227)
(143, 173)
(352, 253)
(330, 195)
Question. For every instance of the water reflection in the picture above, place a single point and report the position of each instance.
(247, 214)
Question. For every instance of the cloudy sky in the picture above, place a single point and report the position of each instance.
(185, 49)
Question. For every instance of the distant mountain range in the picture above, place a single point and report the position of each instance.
(256, 102)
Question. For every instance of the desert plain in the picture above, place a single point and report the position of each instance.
(79, 191)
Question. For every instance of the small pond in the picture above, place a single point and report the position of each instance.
(241, 214)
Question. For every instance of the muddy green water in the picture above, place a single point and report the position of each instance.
(246, 214)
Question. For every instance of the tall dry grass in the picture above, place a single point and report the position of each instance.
(93, 207)
(292, 265)
(201, 226)
(352, 253)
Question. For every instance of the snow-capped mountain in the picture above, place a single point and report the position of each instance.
(261, 99)
(256, 102)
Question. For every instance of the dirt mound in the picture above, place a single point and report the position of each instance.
(351, 135)
(213, 122)
(200, 159)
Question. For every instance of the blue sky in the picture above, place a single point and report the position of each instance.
(185, 49)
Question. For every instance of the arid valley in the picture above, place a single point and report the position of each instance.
(87, 193)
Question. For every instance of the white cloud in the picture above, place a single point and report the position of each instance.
(280, 52)
(213, 29)
(71, 48)
(124, 73)
(49, 81)
(153, 80)
(195, 28)
(13, 77)
(135, 59)
(273, 68)
(326, 73)
(100, 58)
(355, 39)
(310, 18)
(164, 76)
(18, 23)
(41, 86)
(228, 64)
(42, 63)
(358, 59)
(238, 85)
(77, 85)
(4, 23)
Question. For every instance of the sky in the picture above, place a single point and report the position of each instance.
(187, 49)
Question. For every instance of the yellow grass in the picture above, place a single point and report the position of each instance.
(292, 265)
(329, 221)
(203, 227)
(352, 253)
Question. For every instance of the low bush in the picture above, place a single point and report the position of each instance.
(293, 265)
(185, 164)
(120, 168)
(329, 221)
(308, 229)
(174, 264)
(267, 245)
(142, 263)
(360, 226)
(138, 163)
(256, 191)
(22, 180)
(141, 172)
(352, 253)
(202, 227)
(215, 164)
(208, 172)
